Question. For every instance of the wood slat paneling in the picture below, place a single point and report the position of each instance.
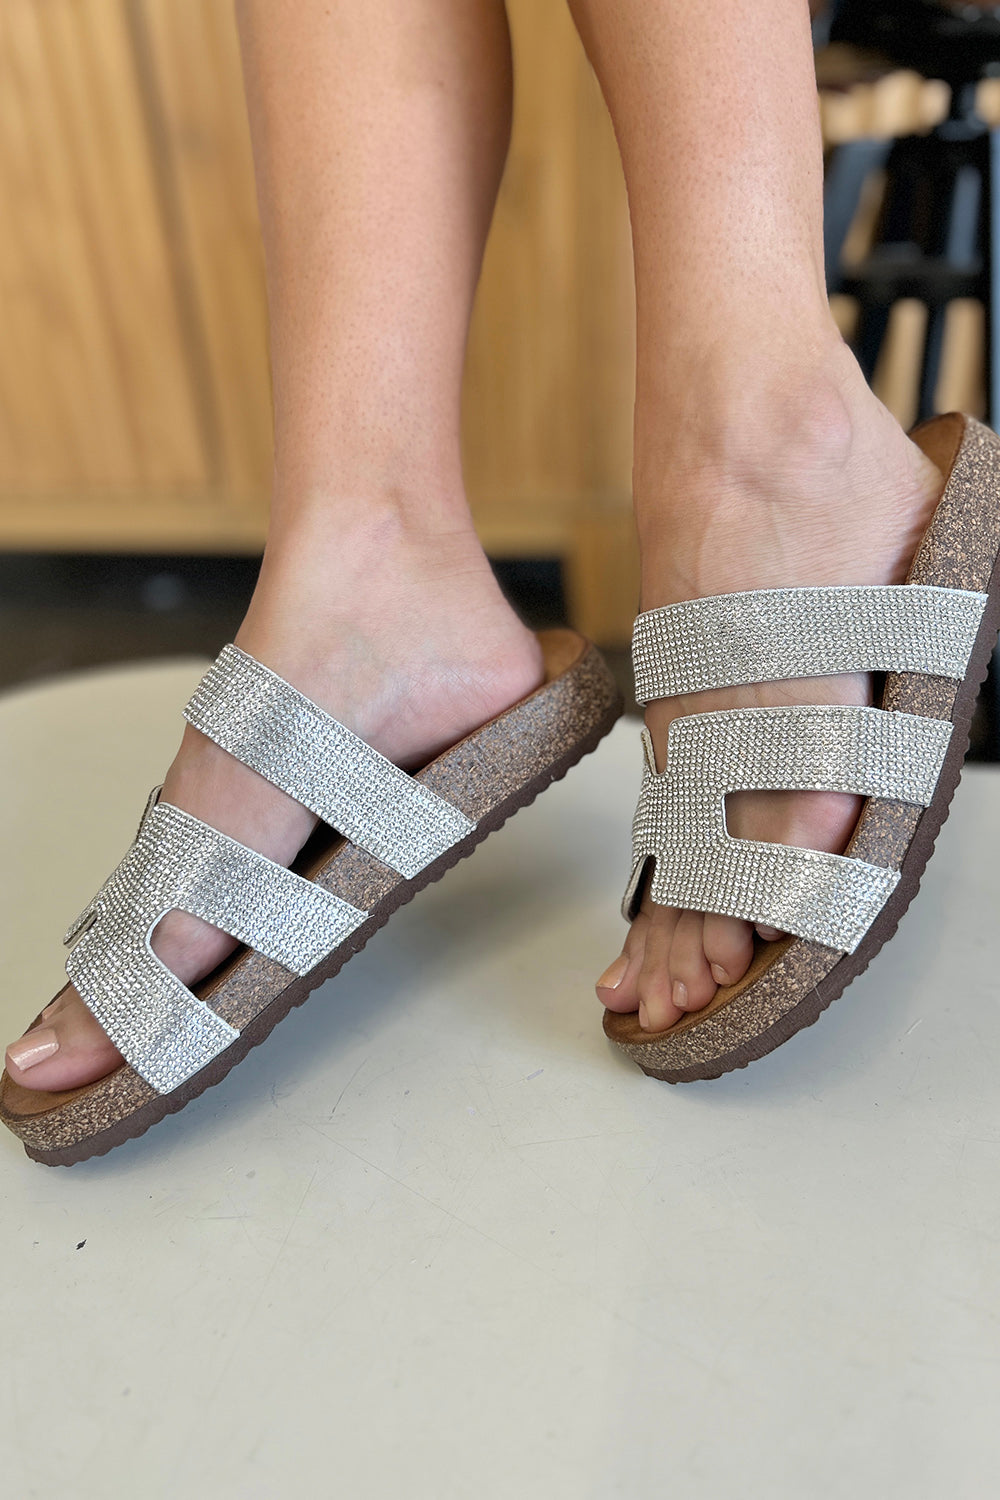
(94, 375)
(197, 87)
(134, 393)
(549, 379)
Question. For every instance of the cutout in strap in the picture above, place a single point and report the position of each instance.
(680, 821)
(273, 728)
(772, 634)
(176, 861)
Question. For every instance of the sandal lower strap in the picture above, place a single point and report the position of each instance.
(177, 862)
(680, 821)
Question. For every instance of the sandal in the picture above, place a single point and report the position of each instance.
(397, 833)
(932, 637)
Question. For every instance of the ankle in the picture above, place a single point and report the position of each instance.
(738, 420)
(780, 474)
(355, 510)
(360, 557)
(391, 618)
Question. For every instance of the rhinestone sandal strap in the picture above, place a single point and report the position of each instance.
(273, 728)
(680, 821)
(825, 898)
(771, 634)
(176, 861)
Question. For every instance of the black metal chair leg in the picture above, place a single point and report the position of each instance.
(847, 171)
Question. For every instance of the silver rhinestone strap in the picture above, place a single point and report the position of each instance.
(273, 728)
(154, 1020)
(823, 897)
(770, 634)
(680, 820)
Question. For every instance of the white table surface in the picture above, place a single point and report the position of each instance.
(438, 1239)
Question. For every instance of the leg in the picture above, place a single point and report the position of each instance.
(761, 457)
(379, 138)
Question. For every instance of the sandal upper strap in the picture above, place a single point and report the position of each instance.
(766, 635)
(273, 728)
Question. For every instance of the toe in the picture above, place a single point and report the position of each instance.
(657, 1010)
(617, 986)
(728, 945)
(693, 985)
(67, 1048)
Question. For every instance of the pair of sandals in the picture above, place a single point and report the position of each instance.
(390, 833)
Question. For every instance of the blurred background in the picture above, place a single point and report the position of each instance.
(134, 400)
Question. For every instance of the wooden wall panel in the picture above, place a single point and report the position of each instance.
(94, 376)
(191, 56)
(519, 436)
(134, 393)
(549, 379)
(134, 396)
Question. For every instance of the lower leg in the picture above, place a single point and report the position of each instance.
(761, 457)
(379, 139)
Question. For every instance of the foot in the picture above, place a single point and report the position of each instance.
(402, 634)
(811, 483)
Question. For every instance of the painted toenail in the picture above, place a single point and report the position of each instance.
(33, 1048)
(719, 975)
(50, 1008)
(680, 994)
(643, 1015)
(613, 974)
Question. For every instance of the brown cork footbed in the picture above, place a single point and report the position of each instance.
(493, 772)
(790, 982)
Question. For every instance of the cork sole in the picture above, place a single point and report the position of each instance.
(748, 1020)
(570, 714)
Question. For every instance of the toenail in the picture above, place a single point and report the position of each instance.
(680, 994)
(719, 975)
(643, 1015)
(50, 1008)
(33, 1048)
(613, 974)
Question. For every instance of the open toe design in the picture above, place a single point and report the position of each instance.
(932, 638)
(395, 833)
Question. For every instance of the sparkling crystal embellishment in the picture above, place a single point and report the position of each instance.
(680, 821)
(161, 1028)
(272, 727)
(154, 1020)
(771, 634)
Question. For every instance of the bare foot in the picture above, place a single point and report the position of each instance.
(403, 635)
(811, 482)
